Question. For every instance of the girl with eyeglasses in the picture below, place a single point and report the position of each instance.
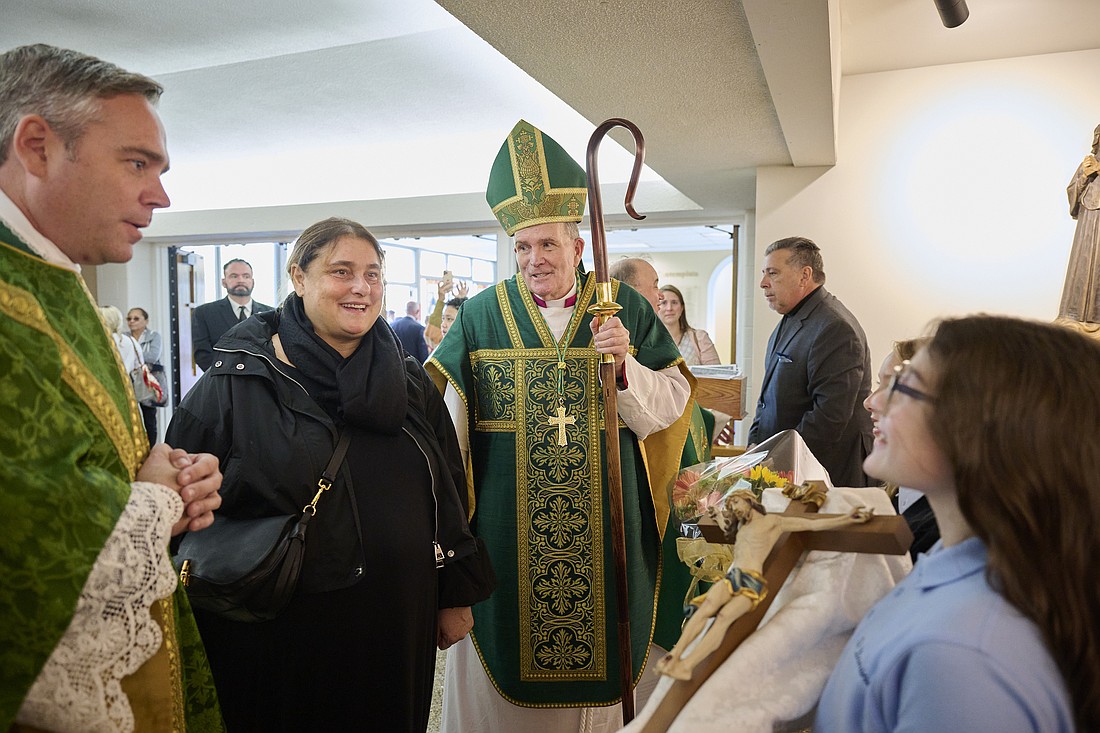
(996, 627)
(910, 503)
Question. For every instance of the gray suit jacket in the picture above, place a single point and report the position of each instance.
(815, 382)
(209, 322)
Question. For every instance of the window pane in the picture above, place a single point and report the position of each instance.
(460, 266)
(267, 278)
(484, 272)
(400, 265)
(432, 264)
(397, 296)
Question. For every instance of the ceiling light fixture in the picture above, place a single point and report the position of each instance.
(953, 13)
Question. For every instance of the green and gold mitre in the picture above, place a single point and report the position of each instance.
(534, 181)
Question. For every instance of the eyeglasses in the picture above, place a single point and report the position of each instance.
(896, 385)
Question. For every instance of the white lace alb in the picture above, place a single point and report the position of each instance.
(112, 632)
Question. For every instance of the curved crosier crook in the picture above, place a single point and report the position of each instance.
(595, 203)
(605, 307)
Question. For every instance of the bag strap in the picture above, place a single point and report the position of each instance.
(329, 474)
(137, 351)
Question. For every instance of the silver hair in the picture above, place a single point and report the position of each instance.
(64, 87)
(804, 253)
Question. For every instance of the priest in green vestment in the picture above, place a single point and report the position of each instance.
(519, 371)
(95, 634)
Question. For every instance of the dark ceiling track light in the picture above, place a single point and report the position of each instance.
(952, 12)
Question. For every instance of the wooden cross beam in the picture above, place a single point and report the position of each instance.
(887, 535)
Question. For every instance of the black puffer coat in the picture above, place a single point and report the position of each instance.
(274, 440)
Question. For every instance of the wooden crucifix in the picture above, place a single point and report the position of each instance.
(878, 535)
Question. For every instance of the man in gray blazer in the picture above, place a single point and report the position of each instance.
(210, 321)
(818, 368)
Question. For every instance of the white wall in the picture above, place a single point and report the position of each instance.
(948, 196)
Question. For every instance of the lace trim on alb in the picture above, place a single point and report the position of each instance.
(112, 633)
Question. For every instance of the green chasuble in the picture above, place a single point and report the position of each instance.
(71, 440)
(547, 635)
(697, 448)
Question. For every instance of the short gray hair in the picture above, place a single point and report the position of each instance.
(64, 87)
(804, 253)
(626, 270)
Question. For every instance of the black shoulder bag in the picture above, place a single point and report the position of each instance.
(247, 569)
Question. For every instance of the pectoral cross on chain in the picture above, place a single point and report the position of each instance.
(560, 422)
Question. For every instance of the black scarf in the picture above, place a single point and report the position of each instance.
(367, 389)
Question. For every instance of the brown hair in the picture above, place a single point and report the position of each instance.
(317, 237)
(684, 327)
(64, 87)
(1009, 394)
(907, 349)
(234, 261)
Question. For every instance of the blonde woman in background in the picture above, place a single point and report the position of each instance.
(127, 347)
(695, 345)
(137, 320)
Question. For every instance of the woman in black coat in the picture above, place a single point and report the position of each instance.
(390, 567)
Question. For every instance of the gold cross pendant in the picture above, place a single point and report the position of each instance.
(560, 422)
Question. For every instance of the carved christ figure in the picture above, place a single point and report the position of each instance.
(1080, 299)
(754, 532)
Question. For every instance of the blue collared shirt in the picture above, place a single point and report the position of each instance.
(945, 652)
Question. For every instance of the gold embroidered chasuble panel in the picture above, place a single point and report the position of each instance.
(559, 492)
(547, 635)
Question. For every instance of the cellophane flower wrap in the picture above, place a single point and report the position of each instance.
(699, 487)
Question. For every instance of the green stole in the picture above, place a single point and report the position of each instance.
(547, 634)
(71, 441)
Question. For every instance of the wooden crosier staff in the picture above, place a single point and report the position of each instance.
(605, 308)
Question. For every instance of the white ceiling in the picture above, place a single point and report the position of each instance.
(279, 110)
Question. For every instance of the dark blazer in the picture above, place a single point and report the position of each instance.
(411, 333)
(209, 322)
(815, 381)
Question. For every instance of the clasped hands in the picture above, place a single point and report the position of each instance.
(1090, 165)
(195, 476)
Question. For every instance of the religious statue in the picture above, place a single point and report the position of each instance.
(1080, 306)
(753, 533)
